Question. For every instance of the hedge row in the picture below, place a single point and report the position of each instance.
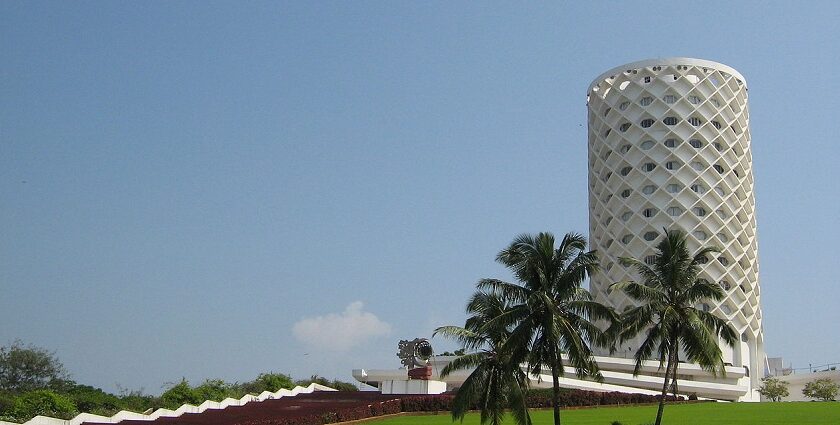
(340, 415)
(537, 399)
(575, 398)
(443, 402)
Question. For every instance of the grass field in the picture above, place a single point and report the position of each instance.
(686, 414)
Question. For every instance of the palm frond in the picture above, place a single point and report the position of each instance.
(640, 291)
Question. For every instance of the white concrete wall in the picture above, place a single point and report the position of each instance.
(796, 383)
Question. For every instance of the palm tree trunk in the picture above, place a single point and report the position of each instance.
(674, 388)
(556, 391)
(664, 390)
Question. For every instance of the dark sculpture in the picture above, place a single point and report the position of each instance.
(415, 355)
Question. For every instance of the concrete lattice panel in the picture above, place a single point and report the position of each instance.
(669, 147)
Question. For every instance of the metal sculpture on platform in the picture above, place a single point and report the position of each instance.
(415, 355)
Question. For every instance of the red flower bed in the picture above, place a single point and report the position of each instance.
(304, 409)
(576, 398)
(329, 407)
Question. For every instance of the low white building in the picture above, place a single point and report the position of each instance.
(618, 376)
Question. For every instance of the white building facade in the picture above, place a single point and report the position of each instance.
(669, 147)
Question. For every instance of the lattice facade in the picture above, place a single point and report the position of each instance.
(669, 146)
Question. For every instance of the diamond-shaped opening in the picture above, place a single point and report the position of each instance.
(674, 211)
(647, 144)
(661, 197)
(624, 169)
(660, 176)
(682, 85)
(683, 106)
(672, 164)
(708, 130)
(671, 141)
(634, 91)
(688, 221)
(734, 85)
(657, 108)
(649, 212)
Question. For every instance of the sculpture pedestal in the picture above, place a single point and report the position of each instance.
(413, 386)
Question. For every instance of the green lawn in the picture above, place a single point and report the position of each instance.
(686, 414)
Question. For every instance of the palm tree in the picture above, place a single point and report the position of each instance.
(497, 381)
(669, 290)
(550, 314)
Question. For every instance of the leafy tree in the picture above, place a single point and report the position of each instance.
(550, 312)
(667, 295)
(26, 367)
(179, 394)
(335, 384)
(497, 380)
(42, 402)
(773, 388)
(87, 398)
(822, 389)
(268, 382)
(137, 400)
(343, 386)
(216, 390)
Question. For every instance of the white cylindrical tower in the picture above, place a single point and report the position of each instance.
(669, 147)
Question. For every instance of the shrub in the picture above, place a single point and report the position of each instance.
(137, 401)
(431, 403)
(822, 389)
(268, 382)
(41, 402)
(215, 390)
(178, 394)
(773, 388)
(568, 398)
(340, 415)
(335, 383)
(7, 400)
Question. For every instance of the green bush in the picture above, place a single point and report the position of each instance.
(87, 398)
(7, 400)
(178, 394)
(335, 383)
(821, 389)
(42, 402)
(136, 401)
(216, 390)
(267, 382)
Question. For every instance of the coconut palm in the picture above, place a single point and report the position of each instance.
(667, 294)
(550, 315)
(497, 381)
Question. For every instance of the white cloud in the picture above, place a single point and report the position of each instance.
(342, 331)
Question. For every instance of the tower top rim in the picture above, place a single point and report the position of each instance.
(665, 62)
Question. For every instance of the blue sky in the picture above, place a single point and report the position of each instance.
(217, 189)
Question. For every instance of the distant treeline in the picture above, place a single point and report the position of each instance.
(34, 382)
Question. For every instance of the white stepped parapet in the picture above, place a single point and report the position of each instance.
(184, 409)
(88, 417)
(45, 420)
